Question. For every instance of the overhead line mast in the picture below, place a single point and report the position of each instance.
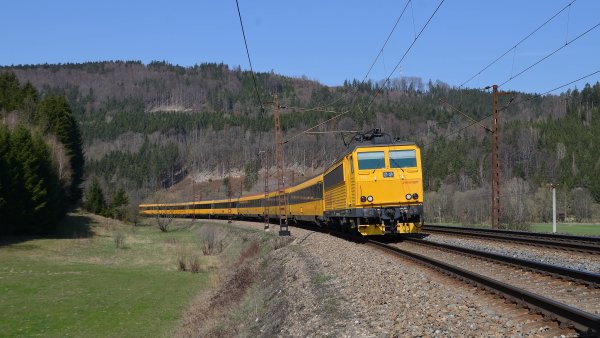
(281, 199)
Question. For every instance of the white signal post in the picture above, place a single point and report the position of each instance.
(553, 186)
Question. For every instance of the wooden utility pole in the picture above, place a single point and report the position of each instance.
(281, 200)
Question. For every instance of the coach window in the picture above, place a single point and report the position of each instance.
(403, 158)
(371, 160)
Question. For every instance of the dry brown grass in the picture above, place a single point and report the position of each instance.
(119, 239)
(181, 265)
(211, 239)
(195, 264)
(279, 242)
(206, 316)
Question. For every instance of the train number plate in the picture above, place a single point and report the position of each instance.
(387, 174)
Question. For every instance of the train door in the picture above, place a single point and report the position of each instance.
(352, 183)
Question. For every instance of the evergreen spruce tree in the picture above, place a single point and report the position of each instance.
(35, 200)
(10, 92)
(6, 181)
(55, 115)
(94, 199)
(119, 202)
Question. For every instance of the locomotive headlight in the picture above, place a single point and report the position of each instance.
(415, 196)
(363, 199)
(370, 198)
(408, 196)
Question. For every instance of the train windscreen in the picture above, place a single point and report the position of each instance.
(403, 158)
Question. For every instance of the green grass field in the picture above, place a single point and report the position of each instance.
(568, 228)
(565, 228)
(84, 285)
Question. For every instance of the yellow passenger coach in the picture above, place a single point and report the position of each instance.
(374, 188)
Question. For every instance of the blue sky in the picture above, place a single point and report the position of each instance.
(328, 41)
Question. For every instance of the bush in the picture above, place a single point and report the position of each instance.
(181, 263)
(195, 264)
(280, 242)
(211, 240)
(120, 240)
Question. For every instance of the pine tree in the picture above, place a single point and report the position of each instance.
(35, 203)
(10, 93)
(119, 202)
(94, 201)
(55, 116)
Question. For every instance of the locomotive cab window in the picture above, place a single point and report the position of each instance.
(371, 160)
(403, 158)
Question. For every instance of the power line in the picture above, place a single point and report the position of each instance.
(403, 56)
(262, 109)
(389, 76)
(317, 125)
(549, 55)
(386, 40)
(323, 107)
(512, 104)
(517, 44)
(370, 68)
(549, 91)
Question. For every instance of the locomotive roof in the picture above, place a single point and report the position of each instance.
(354, 146)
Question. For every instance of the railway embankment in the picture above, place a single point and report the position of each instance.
(321, 285)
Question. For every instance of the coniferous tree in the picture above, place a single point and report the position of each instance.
(55, 115)
(118, 204)
(94, 199)
(10, 92)
(32, 196)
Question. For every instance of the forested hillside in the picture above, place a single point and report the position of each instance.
(146, 127)
(41, 159)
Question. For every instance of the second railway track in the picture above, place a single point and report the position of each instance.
(563, 242)
(572, 299)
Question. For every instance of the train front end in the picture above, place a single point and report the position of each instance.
(383, 186)
(389, 189)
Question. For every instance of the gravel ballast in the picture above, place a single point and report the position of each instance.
(333, 287)
(568, 259)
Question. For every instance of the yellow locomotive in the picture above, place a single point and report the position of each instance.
(374, 188)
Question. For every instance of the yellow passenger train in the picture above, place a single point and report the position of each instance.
(374, 188)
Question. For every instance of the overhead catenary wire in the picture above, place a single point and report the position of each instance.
(353, 92)
(262, 108)
(518, 43)
(549, 55)
(513, 104)
(323, 108)
(373, 97)
(549, 91)
(379, 90)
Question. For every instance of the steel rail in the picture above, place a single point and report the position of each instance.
(584, 277)
(565, 314)
(569, 242)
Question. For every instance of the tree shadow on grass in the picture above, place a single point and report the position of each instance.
(72, 226)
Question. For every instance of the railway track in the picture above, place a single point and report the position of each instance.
(573, 299)
(557, 241)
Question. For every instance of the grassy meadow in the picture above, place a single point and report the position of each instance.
(568, 228)
(100, 277)
(583, 229)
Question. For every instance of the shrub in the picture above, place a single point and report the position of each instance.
(120, 240)
(181, 263)
(195, 264)
(211, 240)
(280, 242)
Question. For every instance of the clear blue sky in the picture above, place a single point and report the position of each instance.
(329, 41)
